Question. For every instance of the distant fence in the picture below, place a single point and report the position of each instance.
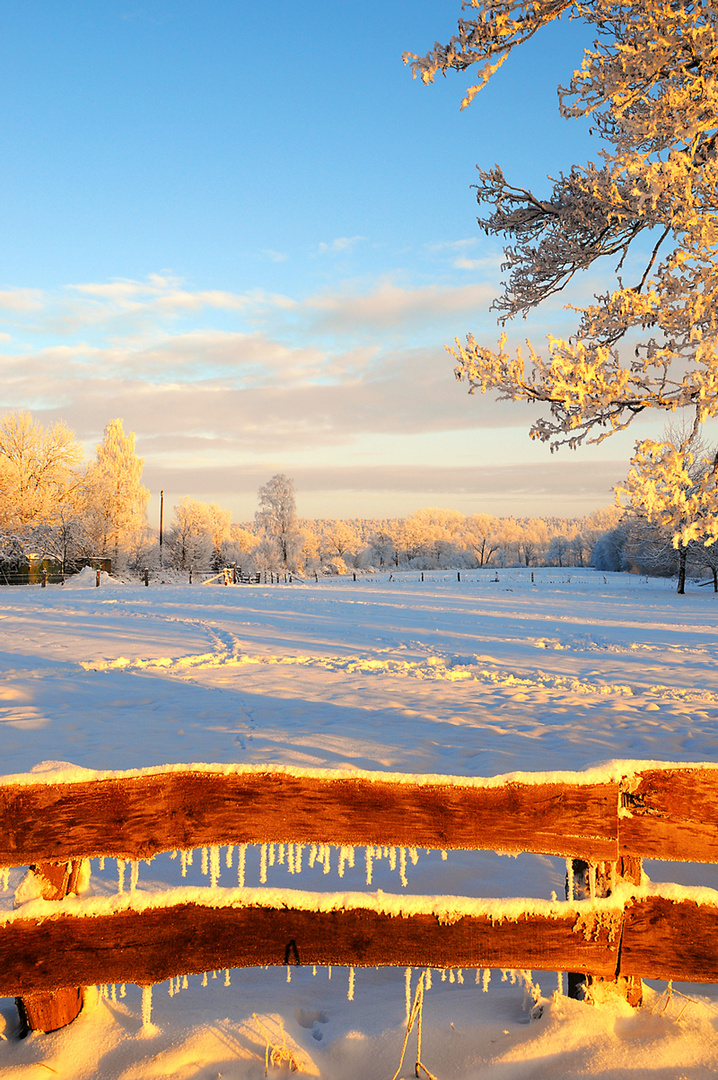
(610, 927)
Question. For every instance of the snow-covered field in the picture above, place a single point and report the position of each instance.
(488, 675)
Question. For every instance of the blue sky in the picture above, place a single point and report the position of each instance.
(245, 229)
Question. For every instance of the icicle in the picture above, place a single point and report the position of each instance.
(314, 969)
(102, 862)
(134, 874)
(183, 856)
(592, 881)
(312, 856)
(427, 981)
(327, 858)
(443, 974)
(452, 977)
(228, 856)
(298, 849)
(402, 866)
(289, 973)
(477, 976)
(214, 974)
(146, 1006)
(173, 855)
(351, 855)
(569, 879)
(460, 976)
(290, 858)
(241, 864)
(350, 990)
(329, 972)
(263, 864)
(486, 980)
(282, 854)
(123, 992)
(190, 856)
(204, 978)
(559, 988)
(226, 977)
(369, 854)
(413, 855)
(205, 861)
(120, 875)
(407, 991)
(185, 984)
(444, 856)
(171, 990)
(214, 864)
(342, 861)
(272, 854)
(113, 993)
(392, 858)
(5, 878)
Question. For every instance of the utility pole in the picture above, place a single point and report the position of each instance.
(162, 511)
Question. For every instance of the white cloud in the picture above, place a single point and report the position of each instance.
(341, 243)
(390, 306)
(21, 300)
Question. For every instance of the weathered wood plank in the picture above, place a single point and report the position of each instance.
(135, 817)
(674, 815)
(667, 940)
(148, 946)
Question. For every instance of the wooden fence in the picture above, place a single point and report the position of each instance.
(622, 931)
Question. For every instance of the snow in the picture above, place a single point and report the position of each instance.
(579, 672)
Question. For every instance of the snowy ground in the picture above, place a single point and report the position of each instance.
(476, 677)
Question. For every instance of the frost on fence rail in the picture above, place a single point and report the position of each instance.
(632, 808)
(669, 932)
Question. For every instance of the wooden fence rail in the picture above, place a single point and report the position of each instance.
(46, 952)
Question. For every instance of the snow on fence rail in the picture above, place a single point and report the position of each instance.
(602, 821)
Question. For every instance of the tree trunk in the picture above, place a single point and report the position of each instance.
(682, 558)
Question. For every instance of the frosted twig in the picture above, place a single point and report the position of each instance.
(415, 1015)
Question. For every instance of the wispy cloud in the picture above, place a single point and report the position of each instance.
(390, 306)
(340, 244)
(21, 300)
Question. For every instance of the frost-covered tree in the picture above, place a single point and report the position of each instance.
(39, 472)
(649, 86)
(116, 500)
(672, 485)
(481, 534)
(190, 537)
(277, 516)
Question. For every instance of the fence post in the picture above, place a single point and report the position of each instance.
(48, 1010)
(147, 576)
(97, 579)
(606, 876)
